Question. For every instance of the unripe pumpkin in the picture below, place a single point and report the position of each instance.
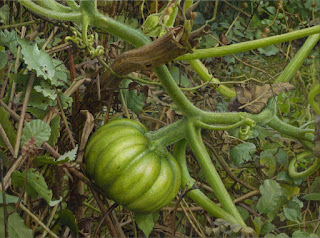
(120, 160)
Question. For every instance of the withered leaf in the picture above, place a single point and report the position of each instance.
(254, 98)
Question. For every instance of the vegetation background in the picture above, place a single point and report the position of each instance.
(57, 199)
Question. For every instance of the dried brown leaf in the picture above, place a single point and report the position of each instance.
(254, 98)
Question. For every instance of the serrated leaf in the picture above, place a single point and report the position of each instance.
(145, 223)
(242, 153)
(39, 101)
(8, 128)
(36, 59)
(9, 199)
(66, 101)
(45, 89)
(271, 194)
(60, 77)
(36, 185)
(9, 39)
(16, 226)
(55, 131)
(67, 218)
(38, 129)
(69, 156)
(267, 160)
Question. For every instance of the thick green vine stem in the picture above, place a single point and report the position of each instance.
(195, 194)
(249, 45)
(309, 171)
(294, 65)
(59, 15)
(203, 72)
(194, 138)
(312, 94)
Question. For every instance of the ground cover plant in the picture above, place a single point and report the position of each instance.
(159, 118)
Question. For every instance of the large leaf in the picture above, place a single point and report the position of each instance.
(8, 127)
(271, 194)
(16, 226)
(38, 129)
(242, 153)
(36, 185)
(36, 59)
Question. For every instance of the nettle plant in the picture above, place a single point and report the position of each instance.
(131, 165)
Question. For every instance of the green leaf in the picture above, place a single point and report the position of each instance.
(66, 101)
(67, 218)
(39, 101)
(4, 14)
(68, 156)
(291, 214)
(36, 185)
(242, 153)
(55, 130)
(60, 77)
(9, 39)
(8, 128)
(257, 225)
(9, 199)
(271, 193)
(36, 59)
(315, 186)
(179, 77)
(3, 59)
(38, 129)
(267, 160)
(16, 226)
(267, 227)
(134, 101)
(312, 197)
(300, 234)
(145, 222)
(282, 157)
(46, 90)
(269, 50)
